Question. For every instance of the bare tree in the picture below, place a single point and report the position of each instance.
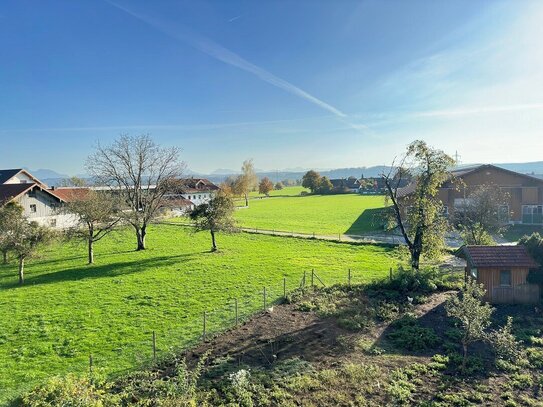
(419, 215)
(141, 172)
(478, 217)
(97, 214)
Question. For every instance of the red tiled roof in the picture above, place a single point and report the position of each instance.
(70, 194)
(499, 256)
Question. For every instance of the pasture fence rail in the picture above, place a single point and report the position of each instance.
(152, 352)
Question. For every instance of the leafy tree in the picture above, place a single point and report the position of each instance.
(479, 215)
(278, 186)
(247, 181)
(534, 245)
(10, 214)
(25, 239)
(141, 173)
(419, 216)
(265, 186)
(311, 180)
(325, 186)
(215, 216)
(472, 314)
(97, 215)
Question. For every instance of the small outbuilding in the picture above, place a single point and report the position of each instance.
(503, 271)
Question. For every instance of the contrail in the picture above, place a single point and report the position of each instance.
(223, 54)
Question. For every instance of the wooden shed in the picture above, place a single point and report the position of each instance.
(503, 270)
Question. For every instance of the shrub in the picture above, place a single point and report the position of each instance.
(72, 391)
(504, 342)
(409, 335)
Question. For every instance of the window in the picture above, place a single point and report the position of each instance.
(445, 211)
(505, 278)
(53, 222)
(532, 214)
(32, 208)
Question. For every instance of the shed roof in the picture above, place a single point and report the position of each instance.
(499, 256)
(11, 191)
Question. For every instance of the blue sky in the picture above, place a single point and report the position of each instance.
(319, 84)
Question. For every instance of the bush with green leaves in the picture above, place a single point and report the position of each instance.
(408, 334)
(72, 391)
(505, 344)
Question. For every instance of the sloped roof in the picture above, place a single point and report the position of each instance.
(345, 183)
(499, 256)
(461, 172)
(6, 175)
(11, 191)
(70, 194)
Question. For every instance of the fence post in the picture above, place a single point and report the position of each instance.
(312, 278)
(304, 279)
(90, 366)
(284, 287)
(313, 235)
(236, 311)
(204, 332)
(265, 299)
(349, 278)
(339, 237)
(154, 347)
(390, 274)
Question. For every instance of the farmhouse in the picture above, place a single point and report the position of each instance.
(503, 271)
(40, 204)
(524, 193)
(196, 190)
(350, 184)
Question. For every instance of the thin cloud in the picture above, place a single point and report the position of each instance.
(223, 54)
(480, 110)
(235, 18)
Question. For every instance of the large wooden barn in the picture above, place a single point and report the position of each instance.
(503, 271)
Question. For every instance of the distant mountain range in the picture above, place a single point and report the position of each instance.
(535, 168)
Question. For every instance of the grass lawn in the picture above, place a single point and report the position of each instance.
(286, 191)
(515, 232)
(67, 310)
(322, 214)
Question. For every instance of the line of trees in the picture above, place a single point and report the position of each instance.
(135, 174)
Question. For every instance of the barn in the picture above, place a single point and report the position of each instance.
(503, 271)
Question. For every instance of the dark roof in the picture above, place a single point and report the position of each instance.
(498, 256)
(6, 175)
(10, 191)
(194, 185)
(351, 183)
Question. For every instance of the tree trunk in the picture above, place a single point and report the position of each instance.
(464, 359)
(214, 247)
(5, 256)
(91, 251)
(140, 233)
(21, 270)
(415, 259)
(246, 199)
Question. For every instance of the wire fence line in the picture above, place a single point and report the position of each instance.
(214, 321)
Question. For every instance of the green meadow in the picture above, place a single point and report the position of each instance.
(68, 310)
(321, 214)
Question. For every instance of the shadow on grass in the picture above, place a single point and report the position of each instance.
(99, 271)
(370, 220)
